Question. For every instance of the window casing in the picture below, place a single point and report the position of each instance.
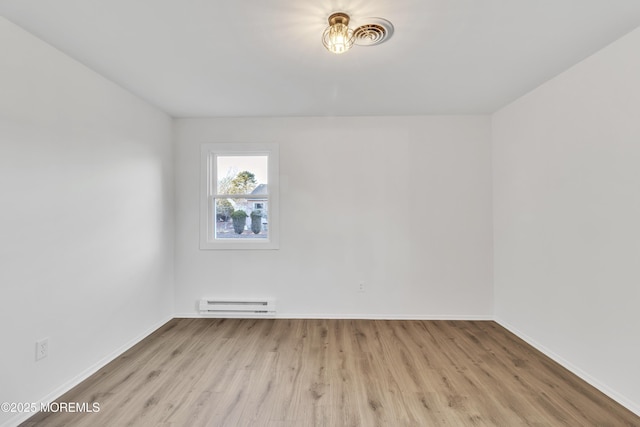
(226, 190)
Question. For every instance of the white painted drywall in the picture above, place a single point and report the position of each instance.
(403, 204)
(566, 161)
(86, 223)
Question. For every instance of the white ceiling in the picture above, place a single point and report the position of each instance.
(196, 58)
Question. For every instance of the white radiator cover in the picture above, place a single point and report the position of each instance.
(238, 307)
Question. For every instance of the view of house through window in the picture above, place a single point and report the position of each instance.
(241, 197)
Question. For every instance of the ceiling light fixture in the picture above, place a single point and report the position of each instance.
(339, 38)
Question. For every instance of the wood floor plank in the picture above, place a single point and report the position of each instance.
(281, 373)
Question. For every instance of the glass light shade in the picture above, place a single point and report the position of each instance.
(338, 37)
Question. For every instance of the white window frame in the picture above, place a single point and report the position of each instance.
(208, 184)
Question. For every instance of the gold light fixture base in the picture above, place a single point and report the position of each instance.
(339, 18)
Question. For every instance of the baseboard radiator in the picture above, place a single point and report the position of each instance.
(244, 307)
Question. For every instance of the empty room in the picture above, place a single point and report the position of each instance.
(341, 213)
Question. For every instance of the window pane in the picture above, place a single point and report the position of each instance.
(241, 174)
(241, 218)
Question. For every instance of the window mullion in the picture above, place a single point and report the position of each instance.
(241, 196)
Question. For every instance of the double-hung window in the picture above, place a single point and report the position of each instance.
(239, 196)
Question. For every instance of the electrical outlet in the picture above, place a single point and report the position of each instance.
(42, 348)
(361, 287)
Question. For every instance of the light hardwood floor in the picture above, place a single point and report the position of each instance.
(265, 372)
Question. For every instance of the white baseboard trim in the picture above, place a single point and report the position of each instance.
(354, 316)
(627, 403)
(383, 316)
(21, 417)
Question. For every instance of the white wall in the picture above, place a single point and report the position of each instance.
(567, 218)
(401, 203)
(86, 222)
